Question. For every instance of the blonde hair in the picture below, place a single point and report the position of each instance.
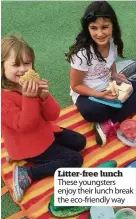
(19, 47)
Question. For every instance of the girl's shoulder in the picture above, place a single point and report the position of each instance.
(8, 95)
(79, 56)
(82, 53)
(9, 99)
(8, 92)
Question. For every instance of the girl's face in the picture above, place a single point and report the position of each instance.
(14, 71)
(101, 31)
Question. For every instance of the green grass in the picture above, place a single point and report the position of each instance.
(50, 28)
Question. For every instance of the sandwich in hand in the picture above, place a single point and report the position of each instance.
(29, 75)
(123, 91)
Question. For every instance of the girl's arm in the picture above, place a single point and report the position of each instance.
(22, 120)
(50, 108)
(77, 74)
(76, 83)
(114, 72)
(113, 68)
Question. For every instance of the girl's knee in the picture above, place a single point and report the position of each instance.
(98, 113)
(91, 115)
(81, 142)
(77, 160)
(87, 115)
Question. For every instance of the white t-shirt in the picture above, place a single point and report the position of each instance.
(98, 74)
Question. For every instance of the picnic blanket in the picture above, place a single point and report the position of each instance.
(36, 200)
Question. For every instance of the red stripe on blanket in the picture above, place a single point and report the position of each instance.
(34, 200)
(84, 215)
(65, 116)
(111, 156)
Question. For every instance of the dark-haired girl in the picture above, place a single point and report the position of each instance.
(92, 59)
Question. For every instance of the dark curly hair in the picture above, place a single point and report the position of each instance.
(84, 40)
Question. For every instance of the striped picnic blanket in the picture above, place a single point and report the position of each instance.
(36, 200)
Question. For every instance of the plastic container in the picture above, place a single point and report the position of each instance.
(127, 132)
(128, 128)
(125, 213)
(132, 164)
(102, 212)
(125, 140)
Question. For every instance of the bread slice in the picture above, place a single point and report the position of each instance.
(125, 87)
(116, 89)
(123, 96)
(113, 87)
(29, 75)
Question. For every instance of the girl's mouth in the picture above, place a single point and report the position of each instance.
(101, 39)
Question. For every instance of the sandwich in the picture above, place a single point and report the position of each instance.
(29, 75)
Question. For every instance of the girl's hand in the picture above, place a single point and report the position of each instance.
(43, 90)
(118, 77)
(108, 95)
(30, 89)
(121, 75)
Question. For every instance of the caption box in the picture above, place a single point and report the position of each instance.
(95, 187)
